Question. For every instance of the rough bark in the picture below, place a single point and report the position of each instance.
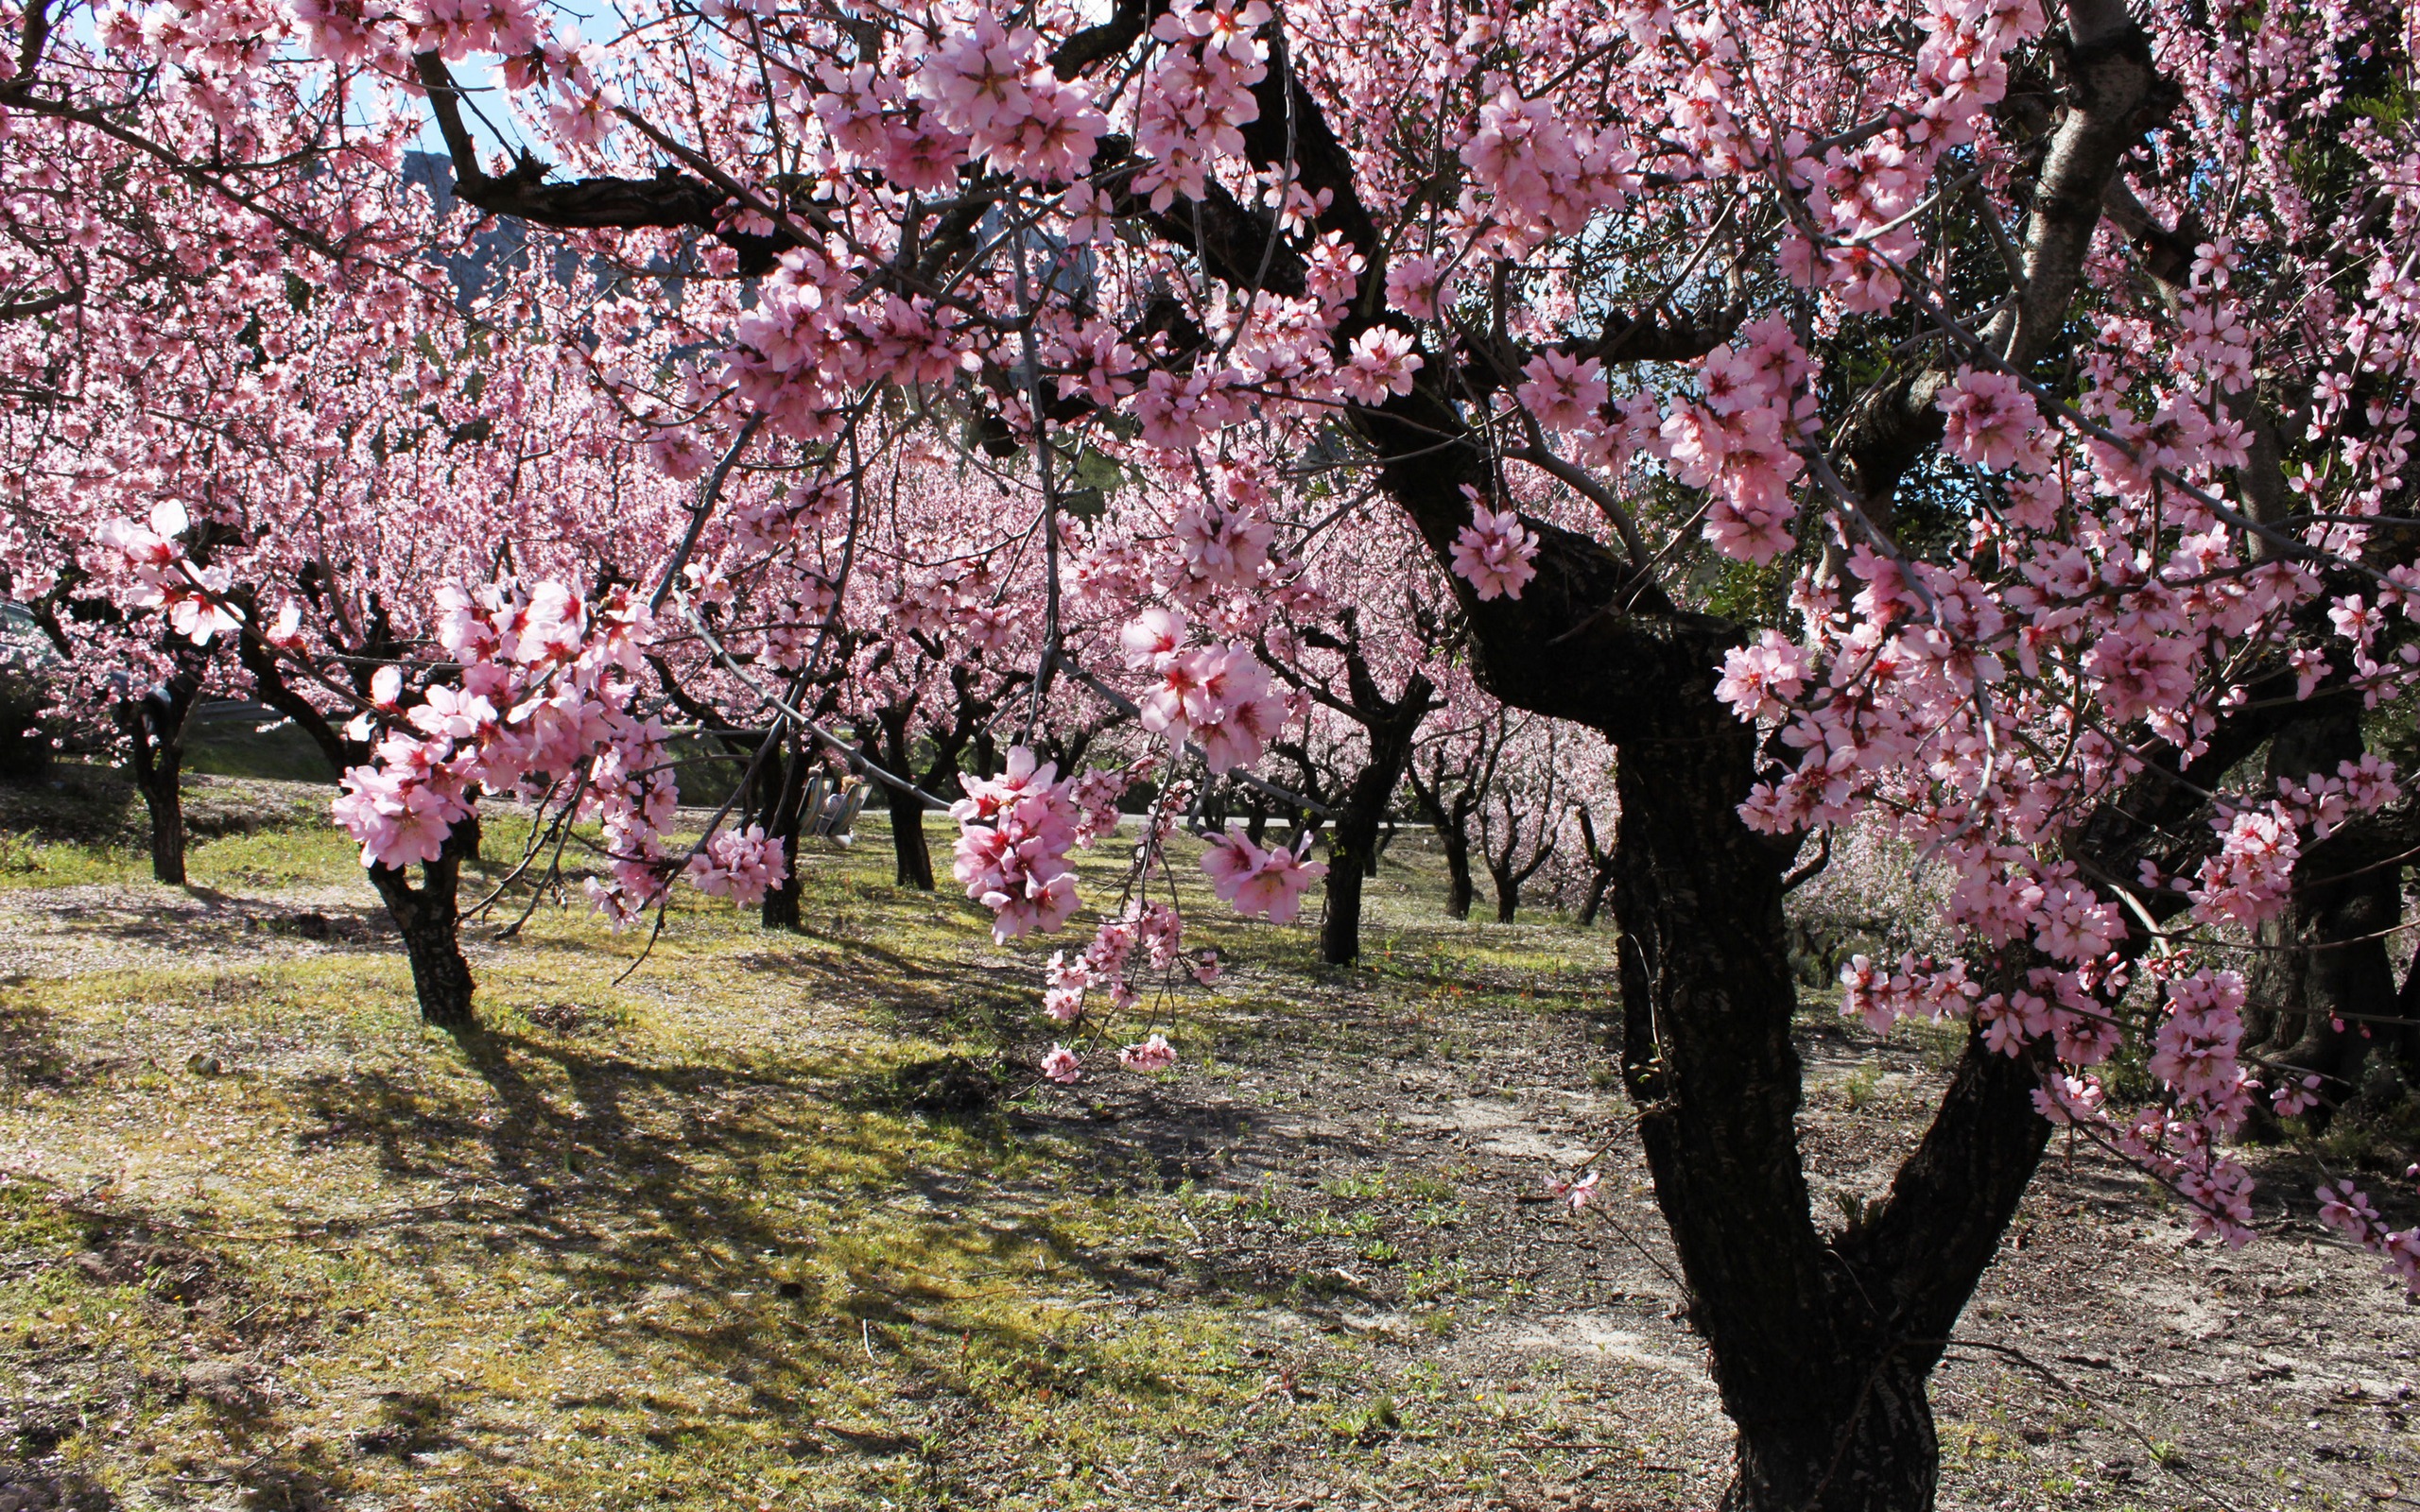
(1821, 1341)
(429, 920)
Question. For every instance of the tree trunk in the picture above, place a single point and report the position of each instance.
(427, 918)
(1340, 931)
(780, 909)
(2327, 971)
(1353, 844)
(1460, 889)
(155, 728)
(1821, 1343)
(908, 843)
(1594, 902)
(1507, 894)
(163, 799)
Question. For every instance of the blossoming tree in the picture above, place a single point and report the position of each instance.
(1983, 417)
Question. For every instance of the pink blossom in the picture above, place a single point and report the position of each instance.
(741, 866)
(1562, 391)
(1382, 364)
(1268, 884)
(1992, 419)
(1495, 553)
(1154, 1054)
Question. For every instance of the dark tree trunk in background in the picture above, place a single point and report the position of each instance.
(911, 856)
(1352, 844)
(1507, 894)
(912, 853)
(786, 815)
(155, 726)
(2318, 990)
(1600, 869)
(1594, 904)
(1452, 822)
(1461, 891)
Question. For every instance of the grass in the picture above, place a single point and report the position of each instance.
(679, 1236)
(663, 1236)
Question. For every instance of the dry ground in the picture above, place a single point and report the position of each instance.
(688, 1238)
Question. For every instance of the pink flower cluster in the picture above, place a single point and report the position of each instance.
(2194, 1050)
(191, 597)
(2347, 1209)
(1155, 928)
(1152, 1055)
(1268, 884)
(1992, 422)
(994, 87)
(740, 865)
(1216, 696)
(1760, 680)
(1014, 833)
(1380, 362)
(1537, 173)
(1562, 391)
(1737, 439)
(1198, 97)
(1495, 553)
(541, 695)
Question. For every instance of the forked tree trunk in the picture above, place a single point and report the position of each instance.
(1821, 1342)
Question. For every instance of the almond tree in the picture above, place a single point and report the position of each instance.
(1987, 417)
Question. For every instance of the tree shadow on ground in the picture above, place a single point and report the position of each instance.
(634, 1181)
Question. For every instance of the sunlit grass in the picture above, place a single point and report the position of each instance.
(663, 1231)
